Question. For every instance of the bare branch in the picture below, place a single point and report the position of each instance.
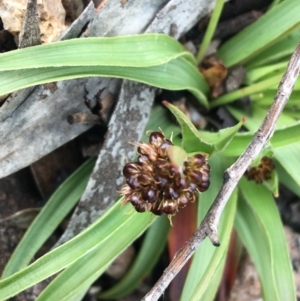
(232, 175)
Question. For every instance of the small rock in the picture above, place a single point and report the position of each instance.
(51, 15)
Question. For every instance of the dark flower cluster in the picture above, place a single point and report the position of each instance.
(260, 172)
(157, 183)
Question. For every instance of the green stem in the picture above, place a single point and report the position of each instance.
(210, 30)
(257, 74)
(230, 97)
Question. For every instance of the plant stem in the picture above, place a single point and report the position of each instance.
(230, 97)
(210, 30)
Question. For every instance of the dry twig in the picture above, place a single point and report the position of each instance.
(232, 175)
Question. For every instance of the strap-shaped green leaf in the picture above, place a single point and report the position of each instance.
(286, 135)
(266, 98)
(154, 59)
(58, 206)
(287, 180)
(208, 262)
(76, 279)
(55, 210)
(126, 51)
(151, 250)
(89, 267)
(260, 229)
(280, 50)
(177, 74)
(257, 115)
(108, 228)
(288, 156)
(261, 34)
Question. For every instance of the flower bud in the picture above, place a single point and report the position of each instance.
(171, 193)
(149, 195)
(133, 182)
(169, 207)
(131, 169)
(156, 138)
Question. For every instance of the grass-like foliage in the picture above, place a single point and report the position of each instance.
(263, 48)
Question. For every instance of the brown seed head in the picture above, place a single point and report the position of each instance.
(158, 183)
(260, 172)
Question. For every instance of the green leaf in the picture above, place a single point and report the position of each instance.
(261, 34)
(257, 116)
(88, 268)
(207, 286)
(202, 141)
(287, 180)
(116, 225)
(286, 135)
(288, 157)
(274, 3)
(280, 50)
(260, 229)
(266, 98)
(154, 59)
(273, 184)
(238, 144)
(293, 114)
(166, 76)
(222, 138)
(127, 51)
(79, 296)
(76, 279)
(63, 200)
(55, 210)
(192, 140)
(151, 250)
(208, 262)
